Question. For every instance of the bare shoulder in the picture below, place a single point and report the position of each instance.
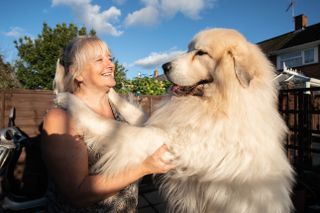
(56, 113)
(59, 133)
(57, 121)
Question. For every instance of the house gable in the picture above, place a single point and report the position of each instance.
(299, 48)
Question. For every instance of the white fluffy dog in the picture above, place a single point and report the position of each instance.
(222, 126)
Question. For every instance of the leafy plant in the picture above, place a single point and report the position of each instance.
(145, 86)
(7, 76)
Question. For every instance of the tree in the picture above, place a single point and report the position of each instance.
(7, 76)
(144, 86)
(149, 86)
(120, 77)
(139, 85)
(37, 57)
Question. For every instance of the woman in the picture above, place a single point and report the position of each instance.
(86, 70)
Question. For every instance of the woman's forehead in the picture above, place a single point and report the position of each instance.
(97, 50)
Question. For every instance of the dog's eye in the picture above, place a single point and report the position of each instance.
(201, 52)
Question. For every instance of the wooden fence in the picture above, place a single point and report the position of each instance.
(31, 106)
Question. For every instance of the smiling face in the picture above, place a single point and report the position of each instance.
(98, 72)
(94, 67)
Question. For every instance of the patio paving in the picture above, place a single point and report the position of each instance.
(150, 200)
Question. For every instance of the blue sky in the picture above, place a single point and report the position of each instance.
(143, 34)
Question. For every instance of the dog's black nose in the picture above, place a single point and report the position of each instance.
(166, 67)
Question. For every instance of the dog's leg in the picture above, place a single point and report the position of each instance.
(119, 144)
(126, 146)
(131, 113)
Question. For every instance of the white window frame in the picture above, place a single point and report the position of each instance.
(302, 55)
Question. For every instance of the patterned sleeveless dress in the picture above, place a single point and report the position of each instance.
(125, 201)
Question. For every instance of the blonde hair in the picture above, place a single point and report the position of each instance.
(75, 55)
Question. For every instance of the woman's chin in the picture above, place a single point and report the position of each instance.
(111, 83)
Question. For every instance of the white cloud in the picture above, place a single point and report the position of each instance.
(190, 8)
(15, 32)
(155, 10)
(152, 12)
(156, 59)
(91, 16)
(146, 16)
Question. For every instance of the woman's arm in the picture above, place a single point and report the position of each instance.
(66, 158)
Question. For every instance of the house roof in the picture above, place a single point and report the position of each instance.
(294, 38)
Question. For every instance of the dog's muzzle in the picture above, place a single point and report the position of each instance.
(195, 90)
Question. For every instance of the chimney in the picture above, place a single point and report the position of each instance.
(300, 22)
(155, 73)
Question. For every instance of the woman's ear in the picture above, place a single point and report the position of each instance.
(78, 77)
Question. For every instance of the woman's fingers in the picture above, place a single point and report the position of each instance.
(165, 157)
(160, 161)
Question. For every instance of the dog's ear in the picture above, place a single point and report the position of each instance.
(241, 66)
(242, 75)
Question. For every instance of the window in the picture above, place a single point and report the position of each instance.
(309, 56)
(298, 58)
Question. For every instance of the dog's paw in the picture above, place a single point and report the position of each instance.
(167, 157)
(114, 97)
(130, 112)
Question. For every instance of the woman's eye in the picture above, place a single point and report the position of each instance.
(201, 52)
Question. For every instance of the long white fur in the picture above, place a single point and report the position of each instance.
(133, 114)
(228, 144)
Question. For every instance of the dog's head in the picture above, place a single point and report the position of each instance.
(215, 56)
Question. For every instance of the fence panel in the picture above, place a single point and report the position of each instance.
(301, 110)
(31, 106)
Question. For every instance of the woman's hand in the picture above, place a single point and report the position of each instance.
(159, 162)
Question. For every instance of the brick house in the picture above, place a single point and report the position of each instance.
(299, 49)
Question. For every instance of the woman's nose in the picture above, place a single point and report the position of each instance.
(108, 62)
(111, 64)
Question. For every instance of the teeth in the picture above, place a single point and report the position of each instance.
(106, 74)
